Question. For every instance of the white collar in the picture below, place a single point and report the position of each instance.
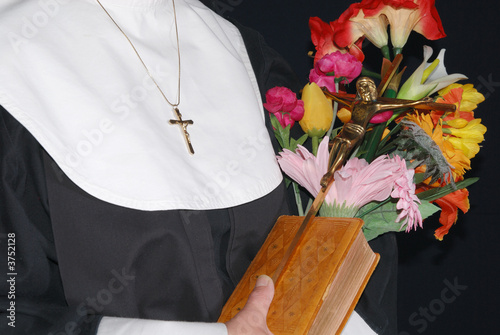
(72, 80)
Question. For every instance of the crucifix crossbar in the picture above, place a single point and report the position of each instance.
(183, 124)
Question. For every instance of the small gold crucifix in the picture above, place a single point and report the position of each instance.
(183, 124)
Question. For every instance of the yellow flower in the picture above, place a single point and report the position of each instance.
(457, 123)
(473, 130)
(469, 147)
(455, 157)
(470, 96)
(467, 138)
(318, 111)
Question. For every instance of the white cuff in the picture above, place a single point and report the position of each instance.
(127, 326)
(357, 326)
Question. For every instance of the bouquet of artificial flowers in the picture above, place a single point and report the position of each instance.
(410, 163)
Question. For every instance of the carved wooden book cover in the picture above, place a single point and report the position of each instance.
(322, 280)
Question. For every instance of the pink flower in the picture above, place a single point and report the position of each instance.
(305, 168)
(404, 189)
(381, 117)
(283, 103)
(322, 80)
(333, 66)
(357, 183)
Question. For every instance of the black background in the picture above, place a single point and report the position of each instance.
(468, 256)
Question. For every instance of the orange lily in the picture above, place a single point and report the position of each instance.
(449, 210)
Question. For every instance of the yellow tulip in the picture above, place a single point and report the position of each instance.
(318, 111)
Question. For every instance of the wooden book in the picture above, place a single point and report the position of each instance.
(322, 281)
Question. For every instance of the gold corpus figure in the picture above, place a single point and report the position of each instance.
(362, 110)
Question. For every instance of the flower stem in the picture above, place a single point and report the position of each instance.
(385, 52)
(335, 108)
(397, 51)
(371, 74)
(298, 199)
(315, 143)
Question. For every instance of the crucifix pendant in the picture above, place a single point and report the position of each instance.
(183, 124)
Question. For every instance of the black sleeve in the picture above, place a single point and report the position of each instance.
(31, 294)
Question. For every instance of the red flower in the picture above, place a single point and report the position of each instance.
(418, 15)
(322, 38)
(354, 24)
(369, 18)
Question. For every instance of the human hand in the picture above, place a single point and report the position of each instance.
(252, 318)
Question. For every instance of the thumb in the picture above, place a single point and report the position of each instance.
(252, 318)
(262, 295)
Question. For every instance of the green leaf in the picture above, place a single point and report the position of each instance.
(418, 178)
(286, 136)
(383, 219)
(294, 143)
(383, 146)
(373, 140)
(277, 126)
(439, 192)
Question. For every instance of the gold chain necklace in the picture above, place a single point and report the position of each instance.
(175, 106)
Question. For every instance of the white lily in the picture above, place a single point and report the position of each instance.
(428, 78)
